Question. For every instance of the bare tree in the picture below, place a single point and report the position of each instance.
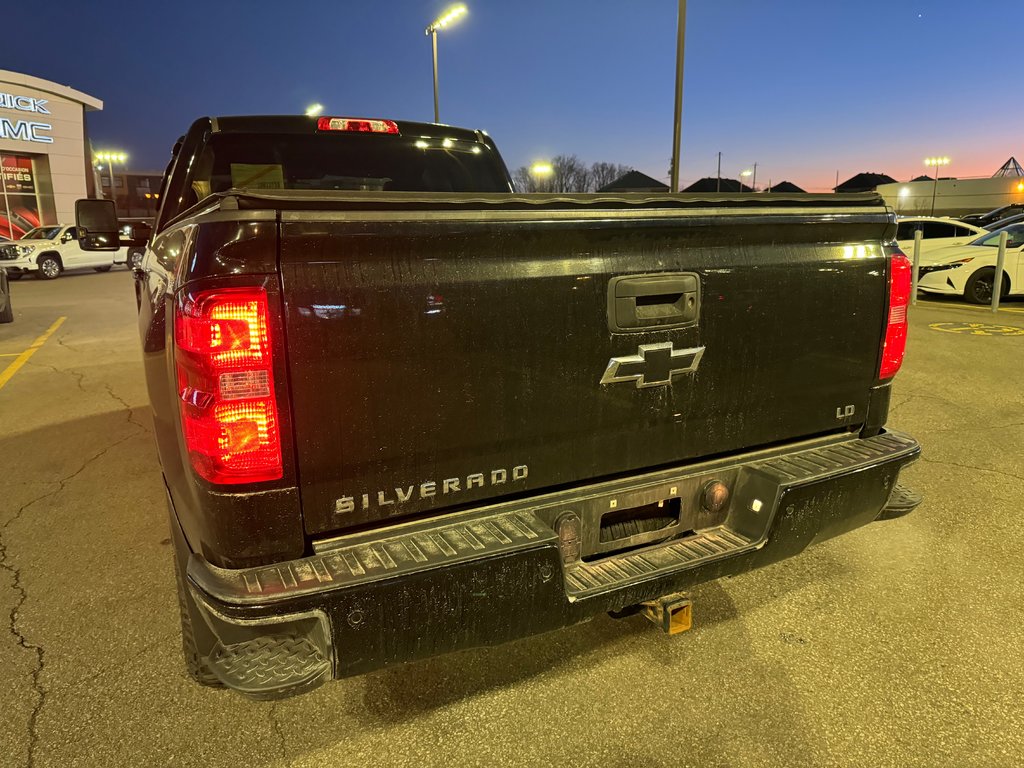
(603, 174)
(569, 174)
(525, 181)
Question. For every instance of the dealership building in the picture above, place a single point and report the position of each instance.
(44, 157)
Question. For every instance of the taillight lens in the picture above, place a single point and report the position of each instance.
(895, 344)
(226, 385)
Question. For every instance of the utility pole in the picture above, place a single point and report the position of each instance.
(753, 180)
(433, 45)
(680, 42)
(718, 184)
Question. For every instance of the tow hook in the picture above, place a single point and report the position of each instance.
(672, 613)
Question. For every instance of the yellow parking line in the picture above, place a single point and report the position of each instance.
(966, 306)
(9, 354)
(21, 359)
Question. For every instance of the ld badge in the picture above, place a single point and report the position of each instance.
(653, 365)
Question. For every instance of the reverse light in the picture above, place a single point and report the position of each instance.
(356, 124)
(226, 385)
(895, 344)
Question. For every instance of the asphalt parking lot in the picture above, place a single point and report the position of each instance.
(899, 644)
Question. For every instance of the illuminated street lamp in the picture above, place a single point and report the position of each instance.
(447, 18)
(935, 162)
(541, 172)
(314, 109)
(110, 158)
(743, 175)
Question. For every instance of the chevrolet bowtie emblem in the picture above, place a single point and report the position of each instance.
(653, 365)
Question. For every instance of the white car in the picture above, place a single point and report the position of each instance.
(969, 270)
(49, 251)
(935, 233)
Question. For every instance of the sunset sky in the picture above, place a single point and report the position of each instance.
(804, 88)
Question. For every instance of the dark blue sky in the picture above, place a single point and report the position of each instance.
(802, 87)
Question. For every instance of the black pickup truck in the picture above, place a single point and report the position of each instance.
(402, 410)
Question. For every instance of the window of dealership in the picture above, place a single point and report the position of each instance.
(44, 164)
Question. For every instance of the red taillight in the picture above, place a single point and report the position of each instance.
(226, 385)
(358, 124)
(896, 328)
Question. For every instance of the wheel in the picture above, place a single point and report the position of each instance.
(193, 664)
(48, 268)
(104, 268)
(7, 313)
(14, 275)
(979, 286)
(134, 260)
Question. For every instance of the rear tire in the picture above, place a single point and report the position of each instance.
(7, 313)
(981, 284)
(49, 268)
(105, 268)
(15, 275)
(193, 664)
(134, 260)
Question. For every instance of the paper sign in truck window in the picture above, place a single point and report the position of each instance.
(257, 176)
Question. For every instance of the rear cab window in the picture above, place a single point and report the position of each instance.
(345, 162)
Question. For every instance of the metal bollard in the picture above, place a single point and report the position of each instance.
(917, 263)
(997, 280)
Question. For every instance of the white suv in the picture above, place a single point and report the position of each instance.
(48, 251)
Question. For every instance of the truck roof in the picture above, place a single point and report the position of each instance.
(304, 124)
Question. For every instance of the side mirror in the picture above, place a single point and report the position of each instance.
(97, 225)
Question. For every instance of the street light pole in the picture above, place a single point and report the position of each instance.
(677, 127)
(443, 21)
(935, 162)
(110, 158)
(433, 45)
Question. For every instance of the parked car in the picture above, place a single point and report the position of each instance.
(401, 410)
(985, 219)
(48, 251)
(1017, 217)
(935, 233)
(969, 270)
(6, 310)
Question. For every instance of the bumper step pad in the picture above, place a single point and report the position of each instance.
(903, 501)
(583, 579)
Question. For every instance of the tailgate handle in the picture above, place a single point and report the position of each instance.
(653, 301)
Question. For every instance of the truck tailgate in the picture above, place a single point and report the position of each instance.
(445, 355)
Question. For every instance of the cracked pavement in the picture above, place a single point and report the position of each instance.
(899, 644)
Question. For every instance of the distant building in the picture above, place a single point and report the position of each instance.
(634, 181)
(785, 186)
(43, 158)
(714, 184)
(864, 182)
(1010, 168)
(136, 193)
(956, 197)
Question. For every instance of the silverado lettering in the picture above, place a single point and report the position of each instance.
(428, 489)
